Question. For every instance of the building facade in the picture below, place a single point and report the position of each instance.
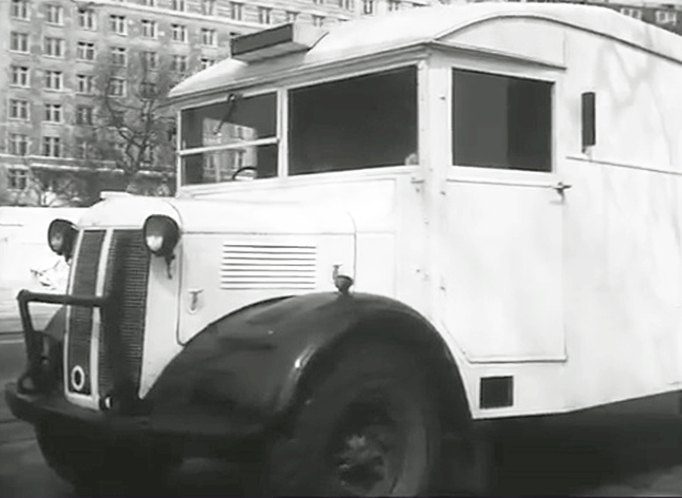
(52, 54)
(51, 63)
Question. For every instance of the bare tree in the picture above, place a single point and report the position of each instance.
(132, 126)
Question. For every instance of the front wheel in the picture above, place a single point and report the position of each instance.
(94, 465)
(366, 426)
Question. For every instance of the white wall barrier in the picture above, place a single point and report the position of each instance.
(26, 261)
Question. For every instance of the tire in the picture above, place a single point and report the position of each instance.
(94, 465)
(365, 426)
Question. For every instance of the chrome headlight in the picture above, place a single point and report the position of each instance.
(161, 235)
(61, 237)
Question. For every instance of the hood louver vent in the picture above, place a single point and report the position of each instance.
(268, 267)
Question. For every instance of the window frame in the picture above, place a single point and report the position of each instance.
(283, 175)
(17, 173)
(85, 48)
(53, 110)
(23, 104)
(118, 24)
(276, 140)
(13, 140)
(87, 19)
(54, 80)
(21, 7)
(24, 42)
(57, 47)
(20, 73)
(182, 30)
(55, 144)
(89, 80)
(150, 29)
(50, 10)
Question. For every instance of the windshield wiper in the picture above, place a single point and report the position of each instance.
(231, 103)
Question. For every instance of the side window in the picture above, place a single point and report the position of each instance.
(362, 122)
(501, 122)
(240, 133)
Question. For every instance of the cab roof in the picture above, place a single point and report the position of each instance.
(422, 26)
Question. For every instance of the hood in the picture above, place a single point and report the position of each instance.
(219, 216)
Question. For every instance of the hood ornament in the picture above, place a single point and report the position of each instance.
(342, 282)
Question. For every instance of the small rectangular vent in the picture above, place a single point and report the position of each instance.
(497, 392)
(268, 267)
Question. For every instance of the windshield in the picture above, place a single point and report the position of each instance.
(230, 140)
(368, 122)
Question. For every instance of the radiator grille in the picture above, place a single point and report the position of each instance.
(122, 337)
(80, 318)
(268, 267)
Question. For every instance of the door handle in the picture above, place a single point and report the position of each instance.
(561, 187)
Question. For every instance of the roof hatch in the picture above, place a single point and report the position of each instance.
(284, 39)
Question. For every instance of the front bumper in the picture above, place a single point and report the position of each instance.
(182, 426)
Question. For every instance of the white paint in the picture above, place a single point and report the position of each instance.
(578, 297)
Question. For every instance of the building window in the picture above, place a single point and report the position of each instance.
(17, 179)
(318, 2)
(629, 11)
(18, 144)
(208, 37)
(179, 33)
(84, 115)
(666, 17)
(52, 146)
(54, 14)
(53, 47)
(54, 80)
(20, 9)
(18, 109)
(148, 28)
(53, 113)
(118, 56)
(393, 5)
(291, 16)
(264, 15)
(149, 3)
(236, 10)
(148, 90)
(208, 7)
(85, 83)
(150, 60)
(118, 25)
(513, 114)
(18, 42)
(20, 76)
(87, 19)
(179, 63)
(318, 20)
(117, 87)
(206, 62)
(368, 7)
(378, 130)
(85, 51)
(82, 148)
(178, 5)
(346, 4)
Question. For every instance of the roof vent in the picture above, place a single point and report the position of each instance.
(285, 39)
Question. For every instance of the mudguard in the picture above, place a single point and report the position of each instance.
(247, 364)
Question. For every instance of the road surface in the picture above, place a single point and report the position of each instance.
(637, 456)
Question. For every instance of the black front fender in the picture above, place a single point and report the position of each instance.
(248, 363)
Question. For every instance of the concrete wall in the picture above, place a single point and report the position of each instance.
(26, 261)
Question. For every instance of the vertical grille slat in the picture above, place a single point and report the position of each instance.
(80, 318)
(126, 283)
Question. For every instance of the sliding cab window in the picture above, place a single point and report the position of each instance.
(501, 122)
(231, 140)
(356, 123)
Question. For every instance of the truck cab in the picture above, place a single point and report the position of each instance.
(387, 234)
